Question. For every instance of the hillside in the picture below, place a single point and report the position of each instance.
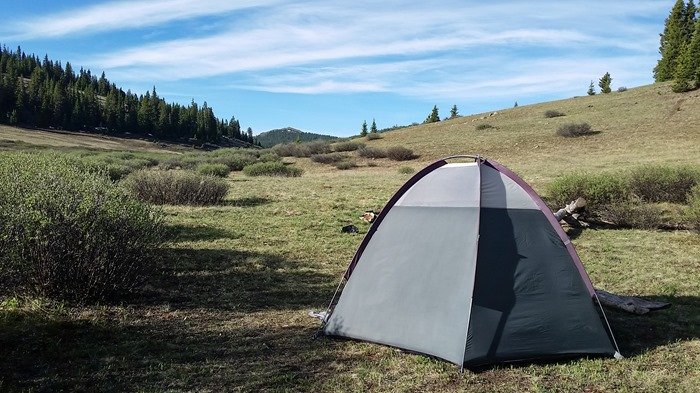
(288, 134)
(647, 124)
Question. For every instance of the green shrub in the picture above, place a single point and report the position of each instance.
(329, 158)
(553, 113)
(572, 130)
(219, 170)
(371, 152)
(663, 184)
(345, 165)
(406, 170)
(268, 157)
(306, 149)
(400, 153)
(597, 189)
(235, 162)
(480, 127)
(373, 136)
(348, 146)
(177, 187)
(631, 214)
(272, 169)
(68, 232)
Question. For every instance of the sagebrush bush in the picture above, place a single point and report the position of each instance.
(176, 187)
(406, 170)
(663, 184)
(631, 214)
(345, 165)
(400, 153)
(621, 89)
(348, 146)
(117, 165)
(268, 157)
(553, 113)
(329, 158)
(306, 149)
(67, 232)
(598, 189)
(480, 127)
(219, 170)
(235, 162)
(272, 169)
(572, 130)
(373, 136)
(371, 152)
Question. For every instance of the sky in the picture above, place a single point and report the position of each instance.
(327, 66)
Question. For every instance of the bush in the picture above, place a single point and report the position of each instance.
(597, 189)
(348, 146)
(400, 153)
(373, 135)
(219, 170)
(178, 187)
(552, 113)
(663, 184)
(406, 170)
(344, 165)
(329, 158)
(68, 232)
(302, 149)
(480, 127)
(621, 89)
(632, 214)
(272, 169)
(268, 157)
(572, 130)
(371, 152)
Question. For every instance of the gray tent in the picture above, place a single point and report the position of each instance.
(466, 263)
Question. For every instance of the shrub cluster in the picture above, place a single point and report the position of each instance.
(176, 187)
(219, 170)
(663, 184)
(306, 149)
(553, 113)
(329, 158)
(693, 212)
(572, 130)
(345, 165)
(234, 159)
(400, 153)
(348, 146)
(371, 152)
(272, 169)
(117, 165)
(373, 135)
(621, 89)
(632, 214)
(484, 126)
(597, 189)
(68, 232)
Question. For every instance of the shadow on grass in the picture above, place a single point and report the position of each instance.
(247, 202)
(41, 354)
(226, 280)
(193, 327)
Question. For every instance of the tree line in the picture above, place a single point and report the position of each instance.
(43, 93)
(680, 48)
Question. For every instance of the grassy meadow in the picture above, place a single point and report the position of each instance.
(227, 307)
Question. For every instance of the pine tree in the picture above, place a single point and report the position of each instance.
(687, 74)
(453, 112)
(591, 89)
(604, 83)
(373, 129)
(690, 17)
(434, 116)
(671, 42)
(363, 132)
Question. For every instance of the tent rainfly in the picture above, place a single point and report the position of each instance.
(466, 263)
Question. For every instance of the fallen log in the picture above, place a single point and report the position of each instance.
(630, 304)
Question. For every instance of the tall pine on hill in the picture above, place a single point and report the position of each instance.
(672, 40)
(687, 73)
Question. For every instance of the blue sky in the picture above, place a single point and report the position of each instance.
(325, 66)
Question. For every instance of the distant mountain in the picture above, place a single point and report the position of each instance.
(288, 134)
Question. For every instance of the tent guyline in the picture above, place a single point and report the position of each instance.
(466, 263)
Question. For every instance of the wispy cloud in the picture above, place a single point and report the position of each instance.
(121, 15)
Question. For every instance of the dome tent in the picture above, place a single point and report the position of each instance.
(466, 263)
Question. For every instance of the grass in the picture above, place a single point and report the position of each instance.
(228, 308)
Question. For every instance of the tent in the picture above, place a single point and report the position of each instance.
(466, 263)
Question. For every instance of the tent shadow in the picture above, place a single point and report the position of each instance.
(240, 281)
